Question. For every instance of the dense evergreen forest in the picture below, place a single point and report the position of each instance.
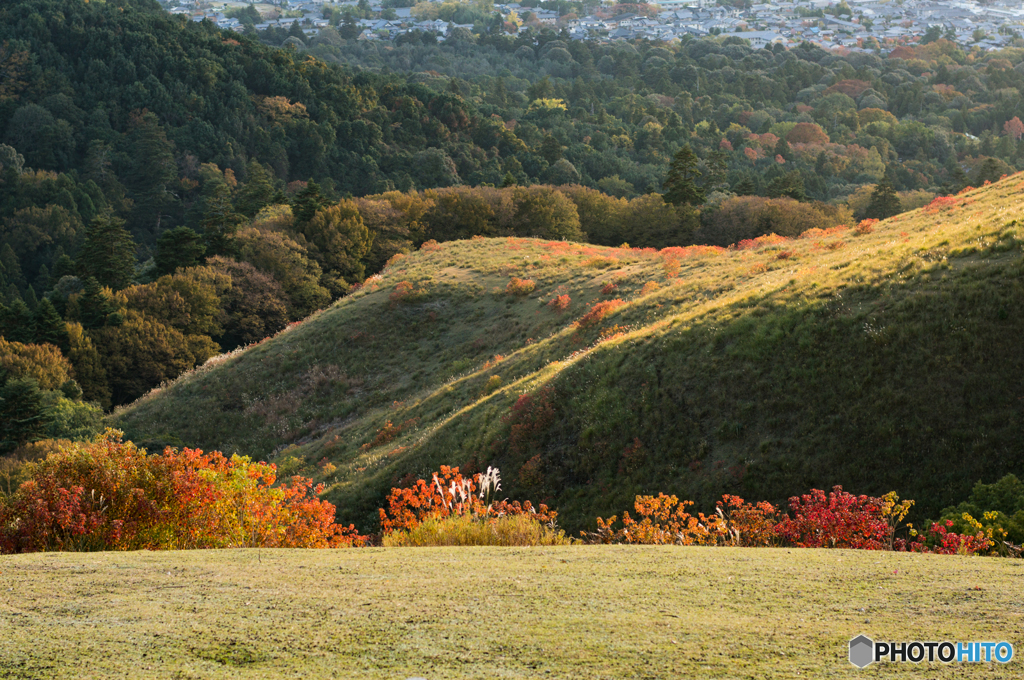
(169, 191)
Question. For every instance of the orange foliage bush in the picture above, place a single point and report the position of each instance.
(866, 226)
(450, 493)
(748, 524)
(766, 240)
(110, 495)
(598, 312)
(821, 233)
(520, 286)
(560, 303)
(665, 521)
(650, 287)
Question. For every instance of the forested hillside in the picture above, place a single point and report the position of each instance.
(170, 191)
(933, 111)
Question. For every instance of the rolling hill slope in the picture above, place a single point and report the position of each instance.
(879, 361)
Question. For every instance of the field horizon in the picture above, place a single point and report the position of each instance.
(644, 612)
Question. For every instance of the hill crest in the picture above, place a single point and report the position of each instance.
(878, 360)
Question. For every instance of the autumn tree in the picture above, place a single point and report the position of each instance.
(255, 306)
(188, 300)
(1014, 128)
(460, 213)
(89, 372)
(543, 212)
(143, 352)
(291, 266)
(341, 240)
(42, 363)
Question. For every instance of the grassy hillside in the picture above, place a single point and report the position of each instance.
(575, 612)
(879, 361)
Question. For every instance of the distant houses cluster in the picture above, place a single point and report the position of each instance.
(827, 23)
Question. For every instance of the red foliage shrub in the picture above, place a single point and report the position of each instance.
(430, 246)
(839, 520)
(402, 292)
(942, 541)
(766, 240)
(387, 434)
(948, 203)
(560, 303)
(609, 288)
(598, 312)
(821, 233)
(109, 495)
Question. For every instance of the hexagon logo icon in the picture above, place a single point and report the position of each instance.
(862, 651)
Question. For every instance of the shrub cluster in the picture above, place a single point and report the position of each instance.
(111, 495)
(817, 520)
(453, 509)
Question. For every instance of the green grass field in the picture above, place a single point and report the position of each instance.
(570, 612)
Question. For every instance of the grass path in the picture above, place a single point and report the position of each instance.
(577, 612)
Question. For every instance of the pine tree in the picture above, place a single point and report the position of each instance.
(23, 413)
(551, 150)
(790, 185)
(63, 266)
(10, 268)
(220, 222)
(16, 322)
(307, 202)
(257, 192)
(680, 183)
(48, 327)
(745, 187)
(152, 171)
(178, 247)
(108, 253)
(95, 308)
(782, 149)
(884, 201)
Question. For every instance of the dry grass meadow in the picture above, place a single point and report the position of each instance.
(566, 612)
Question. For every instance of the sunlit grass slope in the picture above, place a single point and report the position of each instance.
(595, 612)
(879, 361)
